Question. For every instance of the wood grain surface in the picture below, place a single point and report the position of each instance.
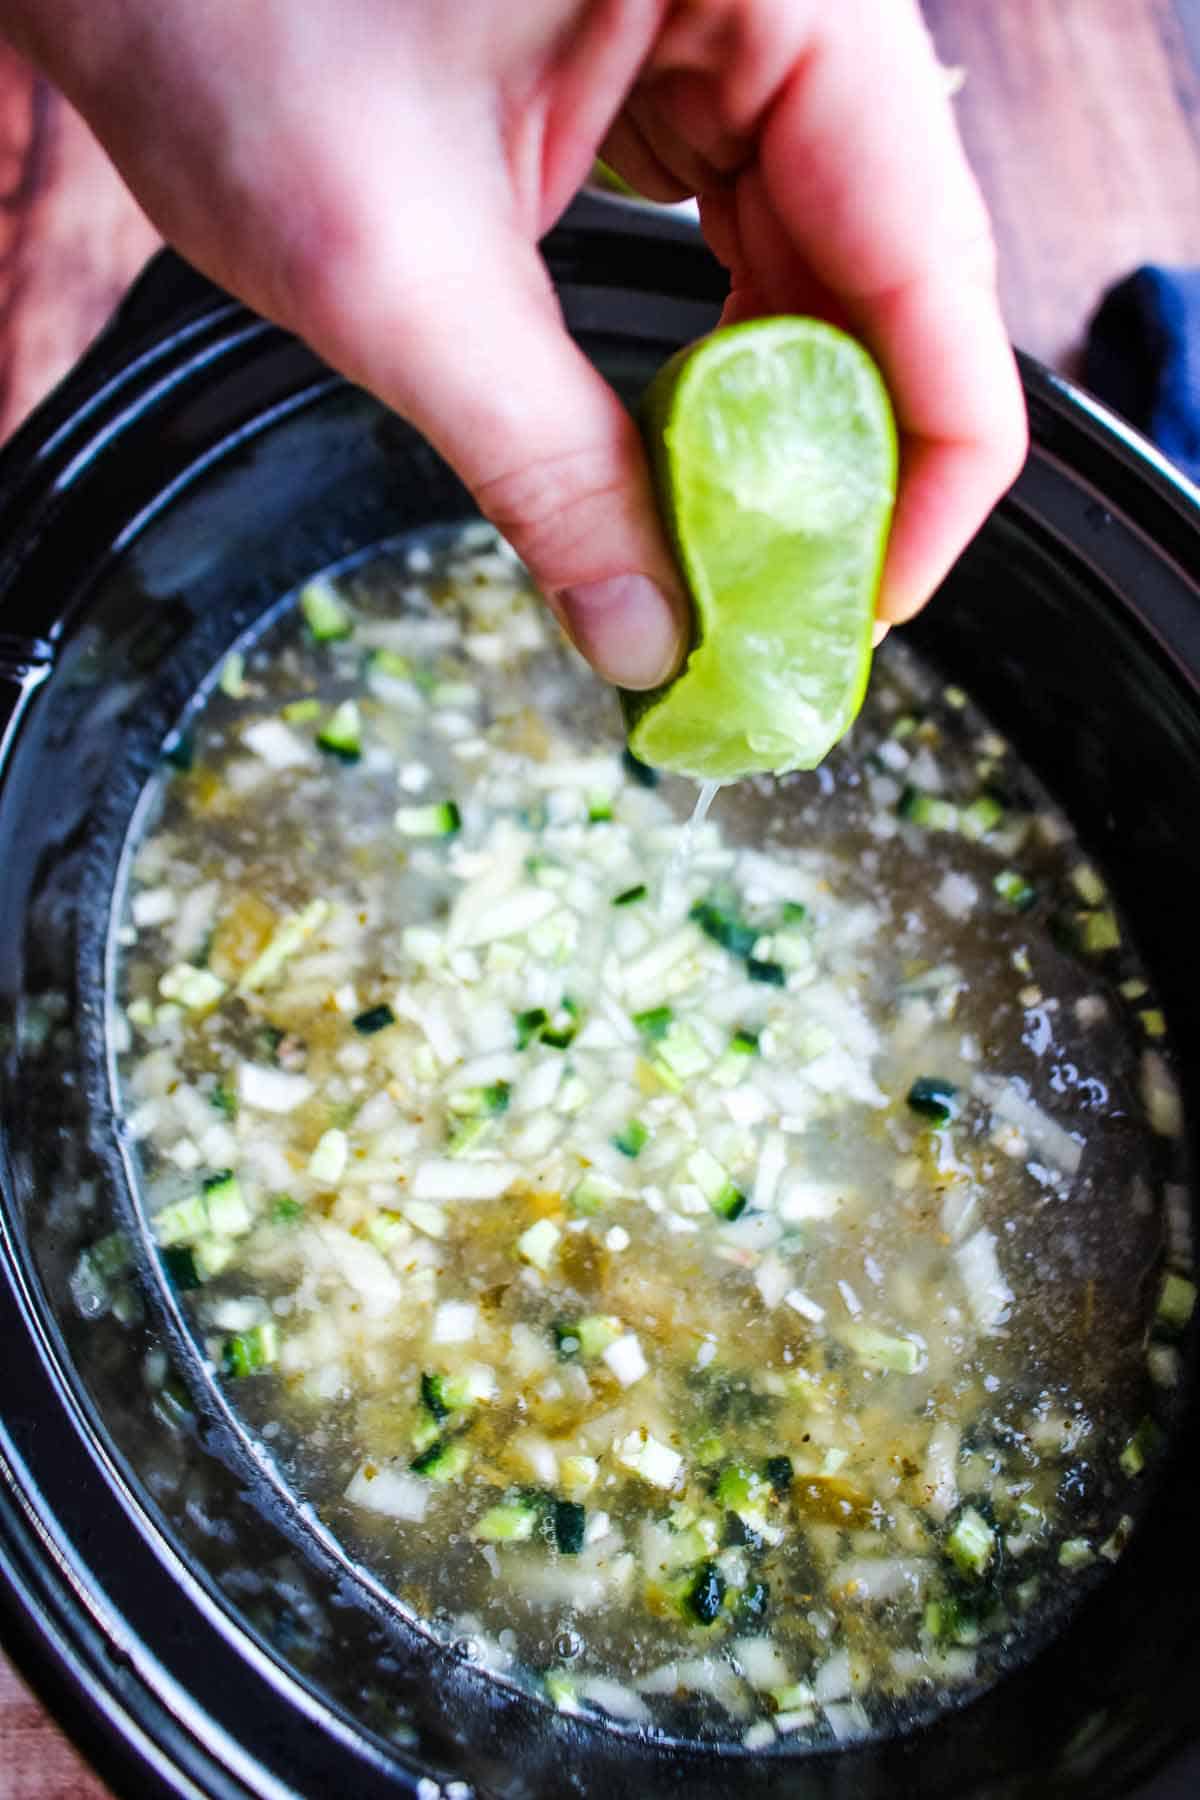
(1082, 118)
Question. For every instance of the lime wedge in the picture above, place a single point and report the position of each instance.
(774, 451)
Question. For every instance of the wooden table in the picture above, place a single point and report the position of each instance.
(1082, 118)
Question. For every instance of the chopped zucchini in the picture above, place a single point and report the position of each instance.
(588, 1337)
(181, 1265)
(971, 1543)
(224, 1100)
(512, 1522)
(341, 736)
(882, 1350)
(592, 1193)
(480, 1102)
(780, 1473)
(705, 1594)
(1141, 1445)
(1176, 1301)
(982, 816)
(390, 662)
(232, 679)
(439, 819)
(302, 712)
(375, 1018)
(933, 1098)
(570, 1521)
(530, 1025)
(327, 1163)
(654, 1023)
(289, 936)
(1014, 890)
(443, 1461)
(246, 1352)
(538, 1243)
(1075, 1553)
(325, 613)
(1098, 932)
(724, 927)
(723, 1195)
(632, 1139)
(928, 810)
(681, 1052)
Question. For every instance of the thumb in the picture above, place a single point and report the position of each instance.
(481, 362)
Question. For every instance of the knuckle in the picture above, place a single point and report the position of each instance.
(550, 507)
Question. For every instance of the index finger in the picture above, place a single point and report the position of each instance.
(865, 171)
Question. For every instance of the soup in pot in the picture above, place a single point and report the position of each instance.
(728, 1273)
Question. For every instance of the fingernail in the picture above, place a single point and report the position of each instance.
(882, 627)
(625, 626)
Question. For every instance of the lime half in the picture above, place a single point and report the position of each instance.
(774, 450)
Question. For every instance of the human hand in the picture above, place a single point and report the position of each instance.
(375, 175)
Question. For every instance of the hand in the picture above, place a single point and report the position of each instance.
(375, 175)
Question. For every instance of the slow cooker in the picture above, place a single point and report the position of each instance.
(195, 1628)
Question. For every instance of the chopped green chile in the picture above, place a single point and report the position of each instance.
(675, 1239)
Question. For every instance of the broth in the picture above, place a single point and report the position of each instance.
(724, 1273)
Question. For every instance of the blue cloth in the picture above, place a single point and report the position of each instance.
(1143, 358)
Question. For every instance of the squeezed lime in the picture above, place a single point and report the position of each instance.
(774, 451)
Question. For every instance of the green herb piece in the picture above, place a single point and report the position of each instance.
(773, 974)
(630, 895)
